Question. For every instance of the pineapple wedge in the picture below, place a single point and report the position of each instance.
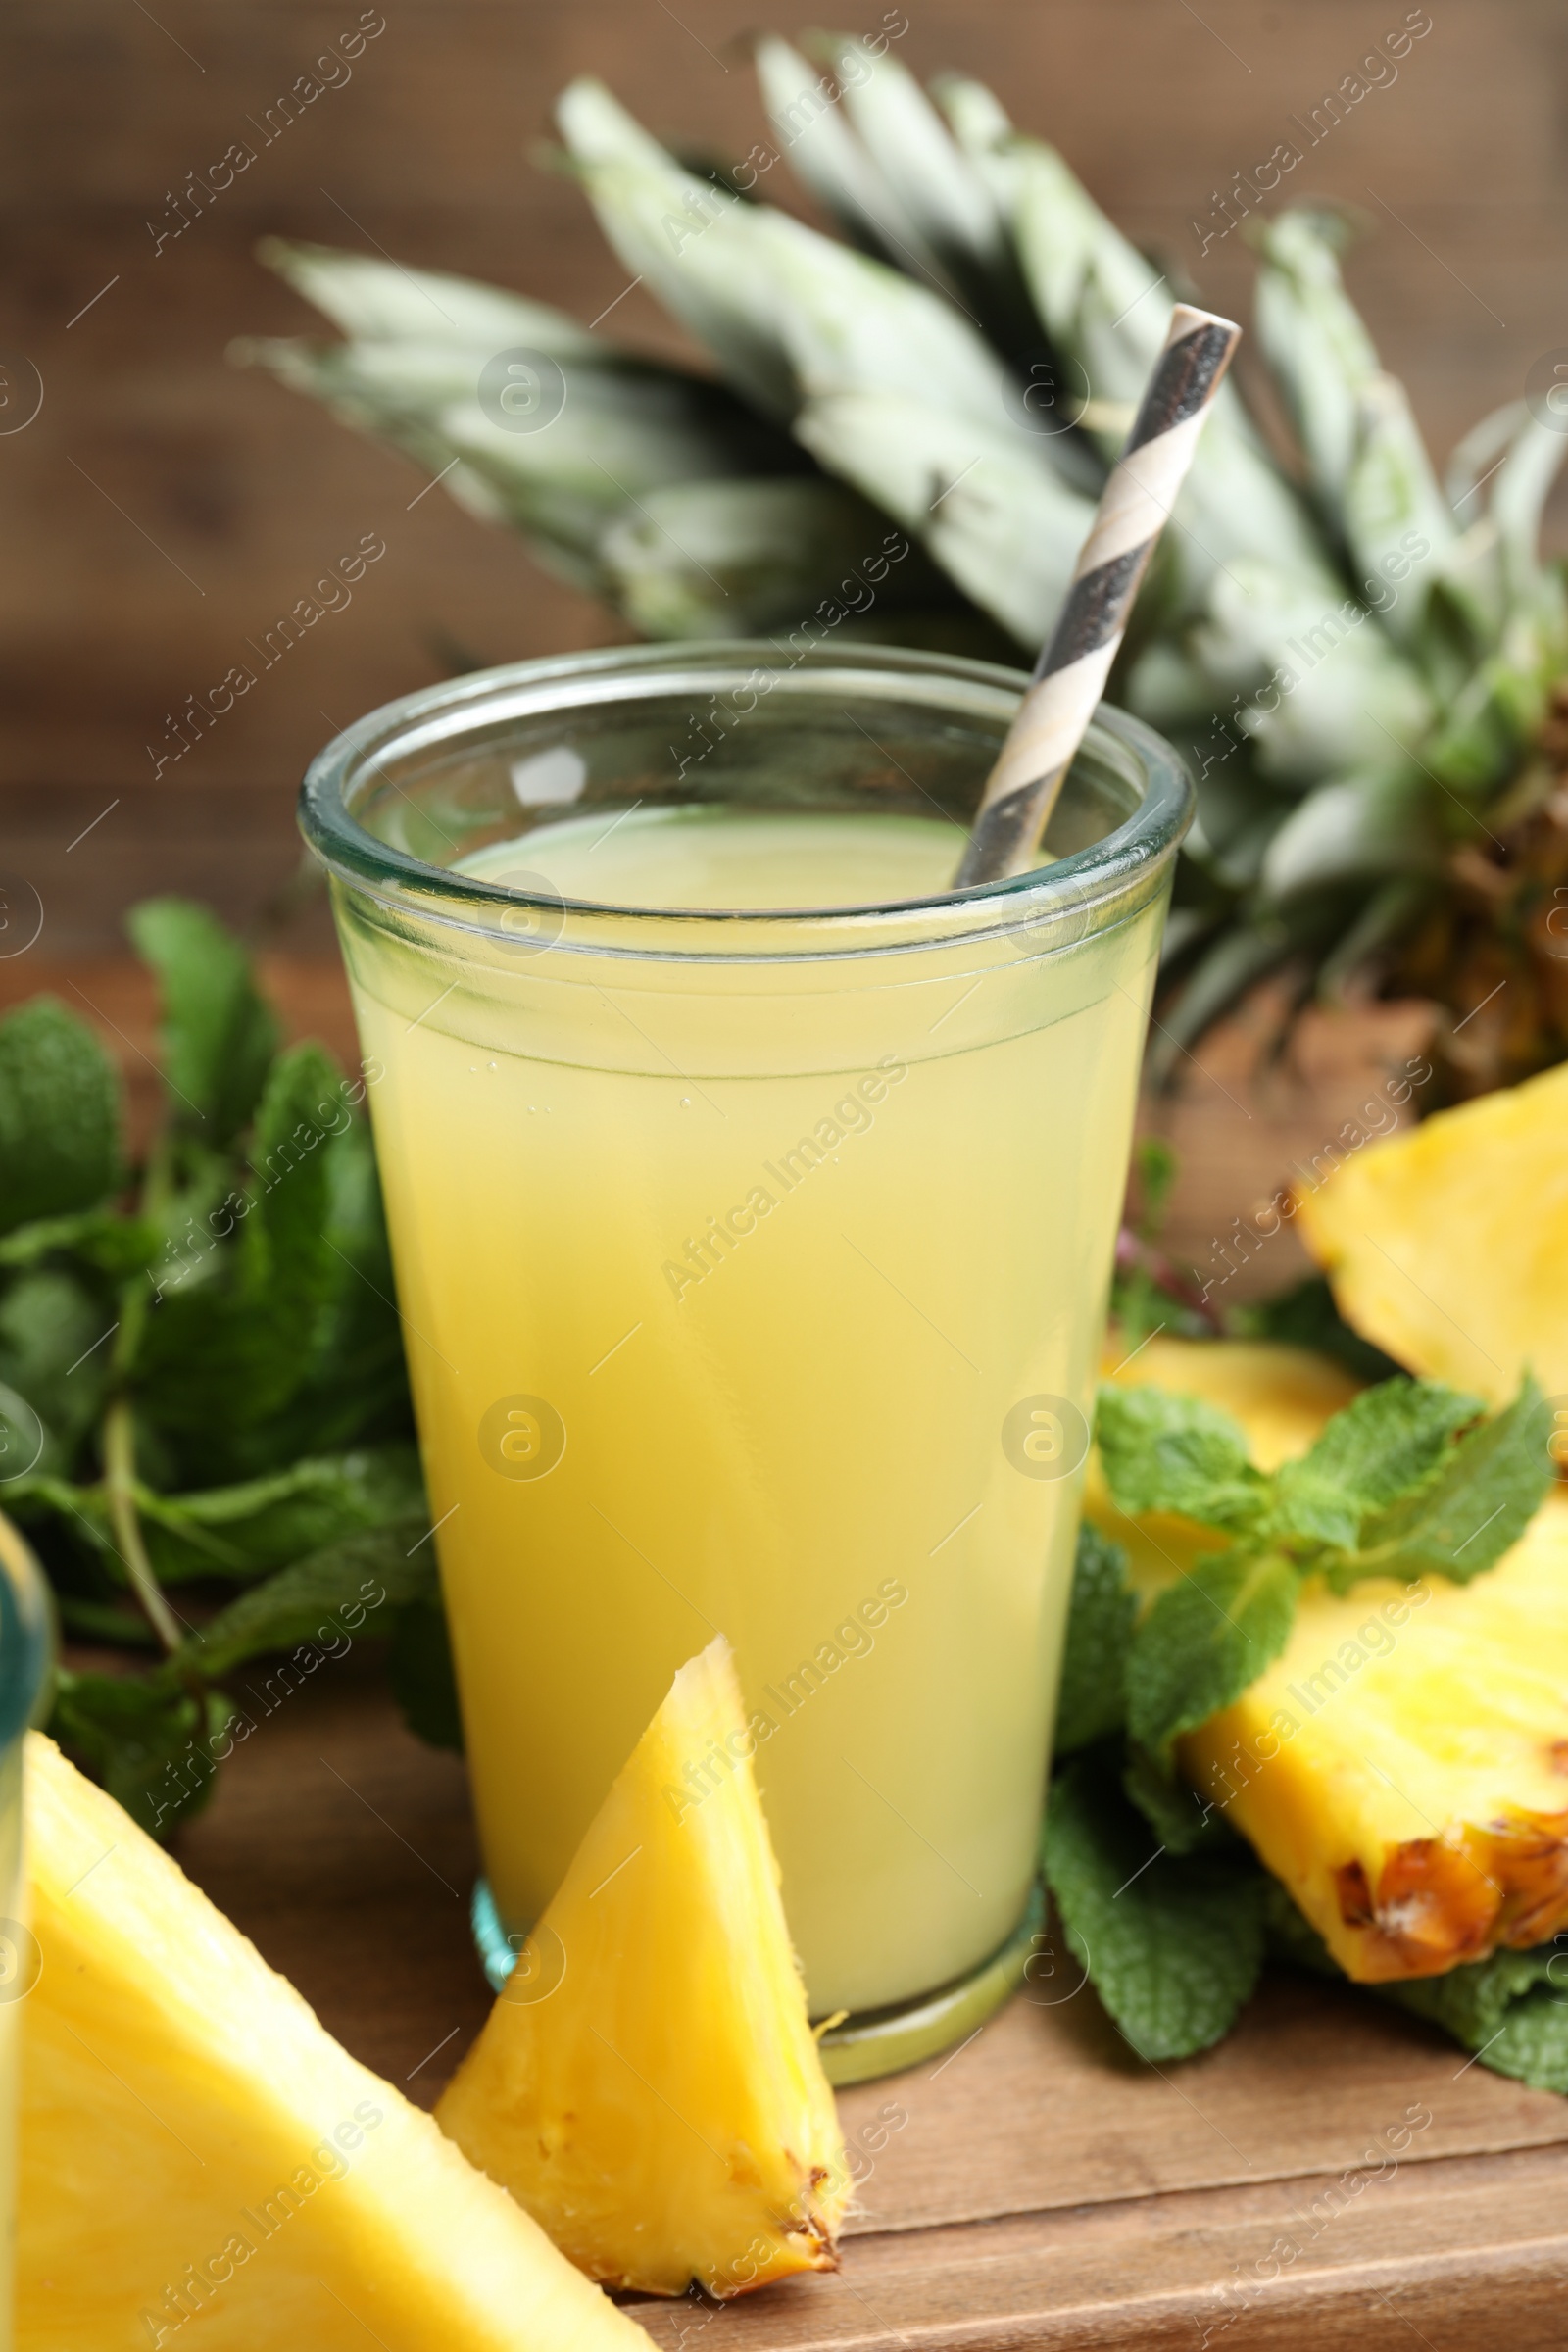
(1448, 1245)
(1403, 1766)
(647, 2085)
(196, 2148)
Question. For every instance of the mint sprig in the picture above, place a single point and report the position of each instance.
(205, 1428)
(1166, 1908)
(1407, 1481)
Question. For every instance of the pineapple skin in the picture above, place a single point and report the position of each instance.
(648, 2086)
(1386, 1229)
(196, 2148)
(1402, 1767)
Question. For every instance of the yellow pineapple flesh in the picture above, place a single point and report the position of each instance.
(196, 2148)
(1402, 1767)
(1448, 1245)
(647, 2084)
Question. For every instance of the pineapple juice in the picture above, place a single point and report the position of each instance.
(765, 1301)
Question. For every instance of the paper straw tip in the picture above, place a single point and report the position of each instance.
(1186, 317)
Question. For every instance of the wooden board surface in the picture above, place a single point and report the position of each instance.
(163, 508)
(1036, 2188)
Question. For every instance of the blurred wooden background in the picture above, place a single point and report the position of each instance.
(162, 507)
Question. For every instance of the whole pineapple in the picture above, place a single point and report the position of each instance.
(1357, 661)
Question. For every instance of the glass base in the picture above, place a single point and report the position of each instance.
(883, 2041)
(875, 2041)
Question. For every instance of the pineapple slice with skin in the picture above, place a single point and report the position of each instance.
(647, 2085)
(196, 2148)
(1402, 1767)
(1448, 1245)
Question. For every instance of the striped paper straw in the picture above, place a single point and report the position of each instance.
(1070, 675)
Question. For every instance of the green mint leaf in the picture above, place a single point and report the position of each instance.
(302, 1114)
(1205, 1639)
(419, 1669)
(320, 1605)
(1532, 2045)
(1174, 1948)
(108, 1621)
(1177, 1815)
(55, 1351)
(1164, 1452)
(230, 1340)
(1476, 1504)
(59, 1116)
(1385, 1443)
(355, 1386)
(263, 1524)
(1099, 1632)
(108, 1245)
(1510, 2009)
(30, 1453)
(143, 1739)
(77, 1512)
(218, 1036)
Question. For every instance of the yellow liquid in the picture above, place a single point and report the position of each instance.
(719, 1291)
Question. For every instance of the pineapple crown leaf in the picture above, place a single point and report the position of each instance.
(980, 316)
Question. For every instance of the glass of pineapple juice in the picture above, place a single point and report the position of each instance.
(753, 1199)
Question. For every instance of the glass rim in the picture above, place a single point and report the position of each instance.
(439, 716)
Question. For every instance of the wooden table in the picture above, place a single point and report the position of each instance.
(1036, 2188)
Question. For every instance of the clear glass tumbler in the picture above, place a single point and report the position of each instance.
(754, 1267)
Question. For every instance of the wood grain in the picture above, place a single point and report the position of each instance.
(1461, 2257)
(162, 509)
